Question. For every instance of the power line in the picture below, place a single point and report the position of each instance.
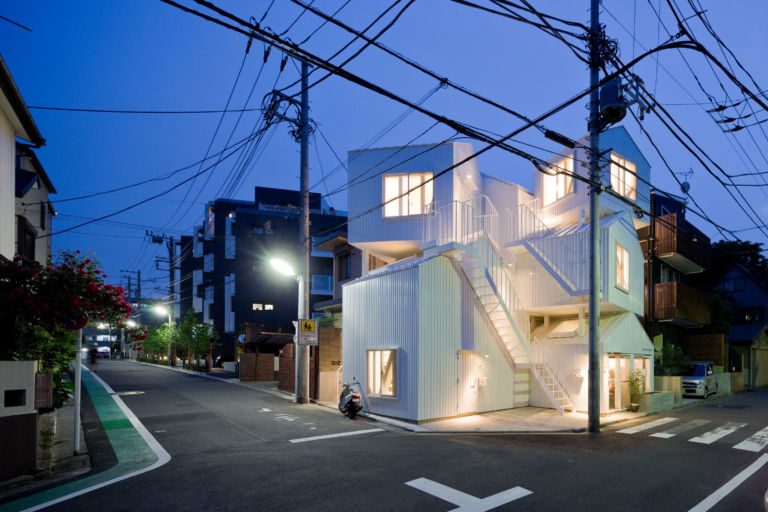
(142, 112)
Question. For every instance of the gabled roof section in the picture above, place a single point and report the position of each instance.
(27, 152)
(24, 181)
(14, 107)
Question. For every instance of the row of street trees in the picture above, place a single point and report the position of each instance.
(191, 340)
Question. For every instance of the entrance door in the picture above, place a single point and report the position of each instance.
(612, 373)
(466, 394)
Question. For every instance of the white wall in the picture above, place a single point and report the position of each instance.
(7, 188)
(622, 232)
(462, 368)
(18, 375)
(382, 313)
(366, 190)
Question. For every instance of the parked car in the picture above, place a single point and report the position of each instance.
(699, 378)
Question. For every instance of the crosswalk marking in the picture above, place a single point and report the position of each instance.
(679, 429)
(756, 442)
(718, 433)
(646, 426)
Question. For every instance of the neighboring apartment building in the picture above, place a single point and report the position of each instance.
(347, 265)
(674, 249)
(34, 211)
(747, 343)
(15, 123)
(474, 294)
(226, 275)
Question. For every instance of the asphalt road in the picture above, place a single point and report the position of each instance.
(231, 449)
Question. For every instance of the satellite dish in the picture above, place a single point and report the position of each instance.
(685, 187)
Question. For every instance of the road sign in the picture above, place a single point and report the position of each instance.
(307, 332)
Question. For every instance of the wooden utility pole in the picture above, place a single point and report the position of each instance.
(593, 401)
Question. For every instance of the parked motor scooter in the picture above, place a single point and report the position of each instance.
(350, 401)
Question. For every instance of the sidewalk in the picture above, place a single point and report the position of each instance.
(56, 459)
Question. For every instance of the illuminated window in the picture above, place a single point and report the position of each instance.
(557, 186)
(623, 176)
(622, 267)
(256, 306)
(269, 307)
(382, 372)
(416, 192)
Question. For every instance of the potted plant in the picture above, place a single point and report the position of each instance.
(636, 388)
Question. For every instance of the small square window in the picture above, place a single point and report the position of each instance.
(382, 372)
(269, 307)
(256, 306)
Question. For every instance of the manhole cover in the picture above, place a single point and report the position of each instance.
(124, 393)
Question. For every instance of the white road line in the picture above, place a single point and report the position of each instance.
(162, 456)
(720, 432)
(646, 426)
(755, 443)
(732, 484)
(331, 436)
(679, 429)
(467, 502)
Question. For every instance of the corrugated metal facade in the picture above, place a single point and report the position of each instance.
(366, 190)
(382, 313)
(451, 360)
(7, 188)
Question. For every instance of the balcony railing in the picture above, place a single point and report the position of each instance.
(681, 245)
(322, 285)
(680, 304)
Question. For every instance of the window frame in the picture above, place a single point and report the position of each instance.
(619, 171)
(374, 385)
(425, 193)
(561, 180)
(622, 268)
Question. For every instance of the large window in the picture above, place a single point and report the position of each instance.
(622, 267)
(416, 192)
(623, 176)
(382, 372)
(560, 183)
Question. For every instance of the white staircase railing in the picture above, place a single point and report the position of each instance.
(565, 256)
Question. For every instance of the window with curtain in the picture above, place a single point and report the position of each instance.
(382, 372)
(416, 191)
(560, 183)
(622, 267)
(623, 176)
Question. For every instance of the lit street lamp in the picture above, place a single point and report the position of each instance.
(301, 353)
(123, 345)
(159, 309)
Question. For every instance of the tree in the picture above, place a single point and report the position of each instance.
(37, 303)
(727, 253)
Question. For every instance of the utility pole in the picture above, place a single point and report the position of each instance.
(302, 127)
(302, 352)
(138, 286)
(593, 401)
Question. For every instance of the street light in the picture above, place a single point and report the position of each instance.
(159, 309)
(301, 355)
(282, 267)
(123, 345)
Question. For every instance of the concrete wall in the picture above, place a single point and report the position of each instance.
(17, 387)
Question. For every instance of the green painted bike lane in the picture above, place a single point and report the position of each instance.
(136, 450)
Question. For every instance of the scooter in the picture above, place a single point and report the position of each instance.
(350, 401)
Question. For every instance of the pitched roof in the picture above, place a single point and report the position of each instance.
(19, 115)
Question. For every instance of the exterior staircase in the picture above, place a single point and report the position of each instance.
(555, 249)
(472, 232)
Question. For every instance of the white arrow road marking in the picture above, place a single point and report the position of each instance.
(264, 409)
(713, 435)
(732, 484)
(331, 436)
(646, 426)
(467, 502)
(756, 443)
(679, 429)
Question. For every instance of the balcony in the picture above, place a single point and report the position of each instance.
(680, 245)
(322, 285)
(680, 304)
